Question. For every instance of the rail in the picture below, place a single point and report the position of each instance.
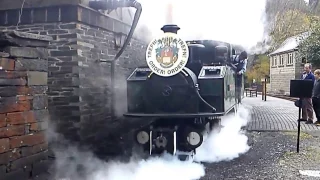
(286, 97)
(283, 97)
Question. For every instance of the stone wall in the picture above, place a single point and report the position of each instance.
(280, 75)
(299, 66)
(23, 105)
(79, 84)
(268, 87)
(17, 4)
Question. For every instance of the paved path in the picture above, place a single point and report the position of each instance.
(274, 115)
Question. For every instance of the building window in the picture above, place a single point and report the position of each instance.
(281, 60)
(274, 61)
(290, 59)
(304, 60)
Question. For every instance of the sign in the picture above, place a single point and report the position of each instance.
(167, 55)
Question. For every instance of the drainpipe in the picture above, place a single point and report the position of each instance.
(113, 4)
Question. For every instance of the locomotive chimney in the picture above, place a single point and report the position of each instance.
(170, 28)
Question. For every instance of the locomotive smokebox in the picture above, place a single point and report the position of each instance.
(170, 28)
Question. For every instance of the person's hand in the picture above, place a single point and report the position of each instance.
(239, 73)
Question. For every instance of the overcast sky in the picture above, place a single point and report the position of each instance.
(235, 21)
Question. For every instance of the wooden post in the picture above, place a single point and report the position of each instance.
(263, 89)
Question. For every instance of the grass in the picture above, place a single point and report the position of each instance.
(303, 135)
(307, 153)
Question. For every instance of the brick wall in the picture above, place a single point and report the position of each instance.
(79, 84)
(23, 105)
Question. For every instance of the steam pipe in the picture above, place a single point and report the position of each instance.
(113, 4)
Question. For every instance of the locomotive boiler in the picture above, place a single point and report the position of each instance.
(184, 91)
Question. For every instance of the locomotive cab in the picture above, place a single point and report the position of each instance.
(185, 102)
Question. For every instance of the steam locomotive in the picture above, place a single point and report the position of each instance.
(183, 103)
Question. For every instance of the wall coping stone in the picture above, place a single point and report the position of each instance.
(64, 14)
(16, 38)
(15, 4)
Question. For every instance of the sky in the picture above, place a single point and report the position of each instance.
(235, 21)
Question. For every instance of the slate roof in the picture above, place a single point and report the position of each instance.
(290, 44)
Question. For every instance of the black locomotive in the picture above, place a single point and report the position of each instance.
(184, 107)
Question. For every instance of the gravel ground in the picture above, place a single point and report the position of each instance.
(308, 158)
(272, 156)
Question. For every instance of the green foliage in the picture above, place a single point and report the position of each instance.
(259, 70)
(287, 24)
(285, 18)
(310, 46)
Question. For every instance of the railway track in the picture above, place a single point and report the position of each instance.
(281, 97)
(284, 97)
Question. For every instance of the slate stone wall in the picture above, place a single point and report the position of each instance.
(23, 105)
(79, 84)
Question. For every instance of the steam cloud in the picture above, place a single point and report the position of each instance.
(227, 144)
(239, 22)
(224, 145)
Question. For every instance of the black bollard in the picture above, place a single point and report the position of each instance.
(298, 92)
(299, 125)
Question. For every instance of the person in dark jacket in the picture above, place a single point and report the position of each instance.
(241, 66)
(307, 110)
(316, 96)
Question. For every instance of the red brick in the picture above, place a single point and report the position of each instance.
(21, 118)
(29, 160)
(9, 91)
(24, 98)
(15, 106)
(3, 120)
(34, 127)
(27, 140)
(9, 131)
(27, 151)
(13, 74)
(4, 145)
(5, 158)
(23, 90)
(39, 126)
(7, 64)
(15, 154)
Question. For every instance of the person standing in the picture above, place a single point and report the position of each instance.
(307, 108)
(316, 96)
(240, 62)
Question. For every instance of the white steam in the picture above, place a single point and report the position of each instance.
(239, 22)
(229, 142)
(166, 167)
(225, 145)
